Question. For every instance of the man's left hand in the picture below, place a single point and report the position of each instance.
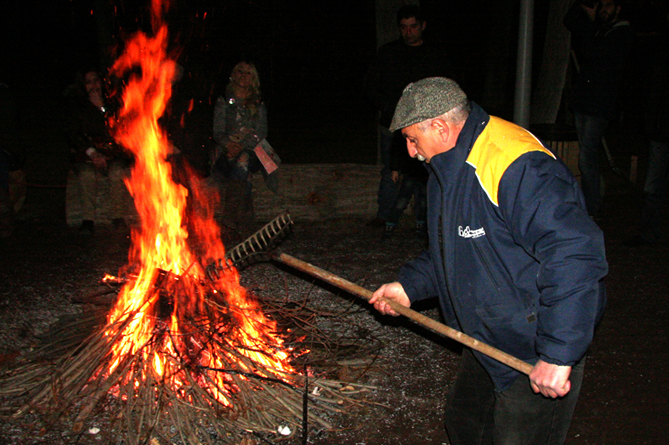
(550, 380)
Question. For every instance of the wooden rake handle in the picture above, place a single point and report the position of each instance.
(417, 317)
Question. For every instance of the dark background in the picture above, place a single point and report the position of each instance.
(312, 57)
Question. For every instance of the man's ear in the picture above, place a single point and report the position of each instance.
(441, 128)
(422, 26)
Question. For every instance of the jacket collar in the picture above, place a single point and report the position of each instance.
(448, 163)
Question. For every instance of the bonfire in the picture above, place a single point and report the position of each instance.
(185, 354)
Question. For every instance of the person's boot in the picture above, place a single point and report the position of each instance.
(232, 219)
(233, 205)
(421, 231)
(388, 231)
(5, 223)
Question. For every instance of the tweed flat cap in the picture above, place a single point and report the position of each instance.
(426, 99)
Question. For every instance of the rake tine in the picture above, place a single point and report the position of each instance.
(256, 244)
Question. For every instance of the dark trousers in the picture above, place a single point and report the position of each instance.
(477, 414)
(410, 186)
(655, 190)
(387, 188)
(590, 130)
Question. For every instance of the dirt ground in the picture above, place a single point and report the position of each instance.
(45, 266)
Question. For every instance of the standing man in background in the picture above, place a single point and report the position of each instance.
(656, 122)
(407, 59)
(602, 43)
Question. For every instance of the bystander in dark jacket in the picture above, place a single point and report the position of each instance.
(601, 43)
(656, 121)
(412, 57)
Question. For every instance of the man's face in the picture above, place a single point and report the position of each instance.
(607, 11)
(422, 145)
(412, 31)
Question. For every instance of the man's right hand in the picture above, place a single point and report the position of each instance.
(389, 291)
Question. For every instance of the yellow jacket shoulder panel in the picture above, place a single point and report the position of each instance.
(499, 145)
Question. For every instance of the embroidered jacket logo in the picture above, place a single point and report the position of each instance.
(469, 233)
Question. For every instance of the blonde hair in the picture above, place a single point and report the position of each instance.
(252, 101)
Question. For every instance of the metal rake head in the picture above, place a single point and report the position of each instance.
(255, 245)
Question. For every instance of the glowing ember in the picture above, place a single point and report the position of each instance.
(188, 327)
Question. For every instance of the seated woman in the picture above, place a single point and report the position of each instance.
(95, 157)
(240, 124)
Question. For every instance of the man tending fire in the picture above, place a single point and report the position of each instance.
(514, 259)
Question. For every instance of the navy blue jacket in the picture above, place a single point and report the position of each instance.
(514, 258)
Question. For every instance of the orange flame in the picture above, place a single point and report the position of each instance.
(171, 285)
